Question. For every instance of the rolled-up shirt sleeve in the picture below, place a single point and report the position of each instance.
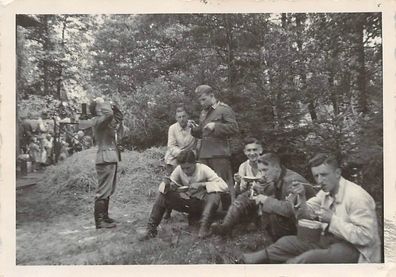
(213, 182)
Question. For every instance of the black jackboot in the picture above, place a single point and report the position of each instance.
(106, 217)
(211, 204)
(100, 208)
(155, 218)
(230, 220)
(167, 214)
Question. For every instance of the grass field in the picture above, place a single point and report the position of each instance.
(55, 222)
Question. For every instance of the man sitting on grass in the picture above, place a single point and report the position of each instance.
(193, 188)
(348, 214)
(273, 204)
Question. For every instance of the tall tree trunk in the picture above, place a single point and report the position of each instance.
(361, 69)
(46, 47)
(230, 51)
(333, 94)
(300, 20)
(60, 66)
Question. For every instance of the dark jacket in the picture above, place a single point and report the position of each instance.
(105, 134)
(279, 205)
(216, 143)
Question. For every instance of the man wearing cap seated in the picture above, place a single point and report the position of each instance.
(273, 202)
(348, 214)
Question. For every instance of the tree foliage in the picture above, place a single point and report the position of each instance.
(301, 82)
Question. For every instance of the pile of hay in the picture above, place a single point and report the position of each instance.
(75, 174)
(72, 182)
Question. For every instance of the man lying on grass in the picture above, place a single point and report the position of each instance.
(273, 203)
(347, 213)
(193, 188)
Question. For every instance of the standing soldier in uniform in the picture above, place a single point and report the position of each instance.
(107, 126)
(217, 124)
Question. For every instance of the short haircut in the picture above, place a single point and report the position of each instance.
(204, 89)
(250, 140)
(186, 157)
(270, 159)
(324, 158)
(180, 109)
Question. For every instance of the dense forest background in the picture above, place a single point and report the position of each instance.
(300, 82)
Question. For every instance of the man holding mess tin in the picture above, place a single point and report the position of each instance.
(347, 215)
(193, 188)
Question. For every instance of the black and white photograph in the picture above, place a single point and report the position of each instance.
(200, 138)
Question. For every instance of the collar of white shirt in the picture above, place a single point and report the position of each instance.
(180, 128)
(341, 191)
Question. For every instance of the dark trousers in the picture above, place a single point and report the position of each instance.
(194, 207)
(276, 225)
(107, 174)
(291, 249)
(222, 167)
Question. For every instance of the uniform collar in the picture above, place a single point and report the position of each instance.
(215, 105)
(279, 183)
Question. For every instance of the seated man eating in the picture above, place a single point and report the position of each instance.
(249, 170)
(193, 188)
(348, 216)
(274, 203)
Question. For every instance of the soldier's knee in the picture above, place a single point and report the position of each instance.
(304, 258)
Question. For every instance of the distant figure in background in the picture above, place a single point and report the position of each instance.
(77, 141)
(43, 151)
(34, 153)
(107, 127)
(64, 149)
(179, 140)
(48, 145)
(85, 140)
(26, 133)
(217, 124)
